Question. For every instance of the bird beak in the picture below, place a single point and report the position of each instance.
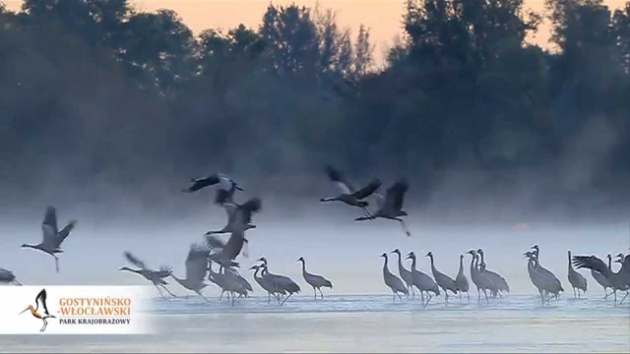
(427, 255)
(26, 309)
(252, 267)
(239, 188)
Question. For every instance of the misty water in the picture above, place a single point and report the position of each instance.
(358, 314)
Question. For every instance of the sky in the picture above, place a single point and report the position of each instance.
(383, 17)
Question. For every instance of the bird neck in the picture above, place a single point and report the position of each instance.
(303, 266)
(32, 246)
(473, 263)
(385, 264)
(413, 263)
(461, 264)
(400, 265)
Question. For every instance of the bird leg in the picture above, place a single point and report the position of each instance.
(404, 226)
(367, 213)
(16, 282)
(168, 291)
(363, 218)
(393, 292)
(314, 293)
(400, 297)
(607, 294)
(624, 298)
(44, 326)
(320, 291)
(200, 294)
(56, 262)
(159, 290)
(285, 299)
(468, 295)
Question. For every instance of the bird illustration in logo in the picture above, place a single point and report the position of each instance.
(41, 297)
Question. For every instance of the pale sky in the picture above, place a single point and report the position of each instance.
(383, 17)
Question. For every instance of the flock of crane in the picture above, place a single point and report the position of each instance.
(214, 250)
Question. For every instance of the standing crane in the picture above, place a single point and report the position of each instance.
(461, 281)
(620, 280)
(392, 281)
(316, 281)
(267, 285)
(405, 275)
(576, 279)
(444, 281)
(554, 286)
(497, 282)
(280, 281)
(423, 282)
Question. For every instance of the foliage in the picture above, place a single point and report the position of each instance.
(98, 87)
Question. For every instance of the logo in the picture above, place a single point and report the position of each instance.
(40, 299)
(75, 310)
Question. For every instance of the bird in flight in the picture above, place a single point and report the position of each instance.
(215, 178)
(390, 207)
(349, 195)
(52, 237)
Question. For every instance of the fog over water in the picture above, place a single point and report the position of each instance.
(332, 243)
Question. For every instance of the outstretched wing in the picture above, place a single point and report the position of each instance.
(164, 272)
(214, 242)
(337, 178)
(395, 195)
(65, 232)
(41, 297)
(199, 183)
(134, 260)
(246, 210)
(591, 262)
(196, 263)
(367, 190)
(49, 225)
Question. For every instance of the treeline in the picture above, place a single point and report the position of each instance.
(94, 90)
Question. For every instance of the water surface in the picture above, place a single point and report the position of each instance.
(364, 323)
